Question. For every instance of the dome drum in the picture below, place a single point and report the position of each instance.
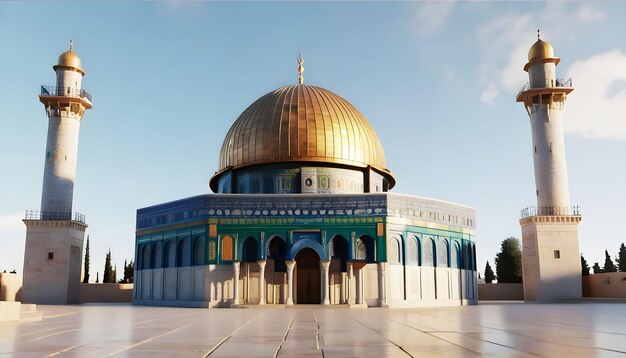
(296, 178)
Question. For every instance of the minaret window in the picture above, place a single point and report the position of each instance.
(557, 254)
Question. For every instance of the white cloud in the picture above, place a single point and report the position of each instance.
(490, 94)
(597, 107)
(432, 15)
(588, 14)
(505, 38)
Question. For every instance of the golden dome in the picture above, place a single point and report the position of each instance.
(302, 123)
(70, 59)
(540, 50)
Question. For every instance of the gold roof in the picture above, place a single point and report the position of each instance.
(302, 123)
(540, 50)
(69, 59)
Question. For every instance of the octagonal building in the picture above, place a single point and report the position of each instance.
(302, 213)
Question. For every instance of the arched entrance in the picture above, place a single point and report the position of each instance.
(308, 286)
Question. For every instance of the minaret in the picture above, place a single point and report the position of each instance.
(54, 236)
(551, 257)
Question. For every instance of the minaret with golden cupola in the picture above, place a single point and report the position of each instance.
(551, 256)
(55, 234)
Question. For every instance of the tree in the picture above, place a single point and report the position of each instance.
(584, 266)
(509, 262)
(108, 269)
(489, 276)
(621, 258)
(86, 269)
(131, 272)
(597, 269)
(115, 274)
(128, 272)
(97, 277)
(609, 266)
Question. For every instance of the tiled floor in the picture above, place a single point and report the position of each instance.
(496, 329)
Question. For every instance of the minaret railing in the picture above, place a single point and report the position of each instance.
(49, 215)
(562, 82)
(64, 92)
(550, 210)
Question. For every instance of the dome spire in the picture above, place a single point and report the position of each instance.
(538, 35)
(300, 68)
(71, 45)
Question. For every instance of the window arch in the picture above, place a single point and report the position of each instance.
(429, 252)
(145, 257)
(338, 249)
(170, 255)
(364, 248)
(443, 251)
(395, 251)
(227, 248)
(156, 259)
(277, 251)
(184, 254)
(198, 252)
(250, 250)
(456, 256)
(413, 251)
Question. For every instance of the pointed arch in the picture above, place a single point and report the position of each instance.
(250, 250)
(443, 253)
(364, 249)
(456, 256)
(395, 250)
(199, 257)
(227, 248)
(338, 249)
(413, 251)
(184, 253)
(429, 252)
(276, 250)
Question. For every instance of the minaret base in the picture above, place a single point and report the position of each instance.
(551, 258)
(52, 261)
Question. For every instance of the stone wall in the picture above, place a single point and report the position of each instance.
(106, 292)
(605, 285)
(10, 287)
(500, 291)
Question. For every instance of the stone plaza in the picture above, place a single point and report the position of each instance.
(514, 329)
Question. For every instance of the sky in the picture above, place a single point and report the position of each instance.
(437, 81)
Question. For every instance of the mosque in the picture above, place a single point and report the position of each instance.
(302, 214)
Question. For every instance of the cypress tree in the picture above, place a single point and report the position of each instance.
(108, 269)
(509, 262)
(489, 275)
(621, 258)
(584, 266)
(86, 268)
(609, 266)
(97, 277)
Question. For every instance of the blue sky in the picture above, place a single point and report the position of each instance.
(436, 80)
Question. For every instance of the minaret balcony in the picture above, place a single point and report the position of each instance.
(551, 214)
(32, 215)
(555, 85)
(57, 91)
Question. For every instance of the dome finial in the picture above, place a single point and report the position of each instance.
(300, 68)
(71, 45)
(538, 34)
